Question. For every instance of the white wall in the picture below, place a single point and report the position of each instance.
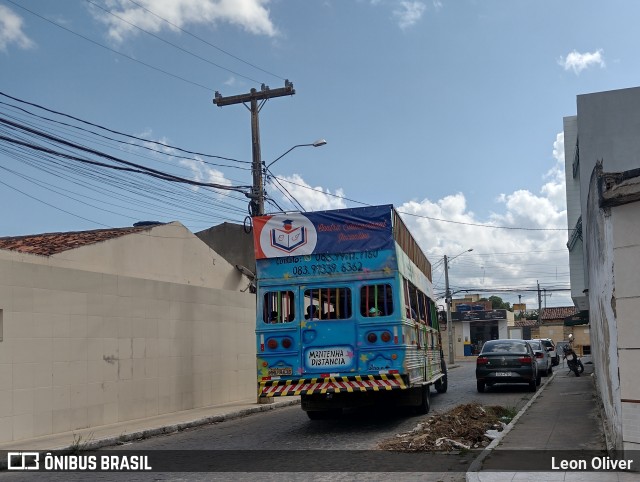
(85, 348)
(604, 339)
(626, 252)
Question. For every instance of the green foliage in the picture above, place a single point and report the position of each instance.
(498, 304)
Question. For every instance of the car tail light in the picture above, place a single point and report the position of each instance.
(524, 359)
(539, 355)
(372, 337)
(482, 360)
(386, 336)
(286, 343)
(272, 343)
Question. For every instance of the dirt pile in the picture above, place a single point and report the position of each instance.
(463, 427)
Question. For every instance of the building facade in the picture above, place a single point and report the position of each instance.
(602, 165)
(105, 326)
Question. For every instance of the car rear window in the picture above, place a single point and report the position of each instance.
(547, 343)
(535, 345)
(519, 347)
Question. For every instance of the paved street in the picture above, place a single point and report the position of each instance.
(290, 429)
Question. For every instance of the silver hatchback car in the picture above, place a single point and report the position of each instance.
(543, 357)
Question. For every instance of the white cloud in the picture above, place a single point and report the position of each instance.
(11, 30)
(311, 198)
(409, 13)
(555, 189)
(578, 62)
(501, 258)
(251, 15)
(204, 173)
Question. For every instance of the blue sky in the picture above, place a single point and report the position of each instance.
(449, 110)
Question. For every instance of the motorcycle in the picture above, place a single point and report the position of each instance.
(573, 361)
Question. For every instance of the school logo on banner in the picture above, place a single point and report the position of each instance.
(288, 234)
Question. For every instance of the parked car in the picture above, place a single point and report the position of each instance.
(551, 348)
(545, 365)
(507, 361)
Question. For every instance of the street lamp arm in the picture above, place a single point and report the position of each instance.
(318, 143)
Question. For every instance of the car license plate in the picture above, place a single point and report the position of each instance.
(503, 374)
(276, 372)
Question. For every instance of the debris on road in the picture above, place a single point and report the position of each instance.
(465, 427)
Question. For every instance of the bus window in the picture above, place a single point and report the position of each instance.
(327, 304)
(376, 300)
(278, 307)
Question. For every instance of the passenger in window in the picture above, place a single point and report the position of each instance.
(291, 317)
(312, 312)
(374, 312)
(273, 317)
(411, 313)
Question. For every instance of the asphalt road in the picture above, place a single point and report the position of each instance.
(289, 429)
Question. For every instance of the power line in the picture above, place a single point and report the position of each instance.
(206, 42)
(171, 44)
(132, 167)
(157, 69)
(121, 133)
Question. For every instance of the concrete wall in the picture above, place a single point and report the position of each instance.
(577, 259)
(626, 252)
(83, 348)
(608, 126)
(602, 314)
(231, 241)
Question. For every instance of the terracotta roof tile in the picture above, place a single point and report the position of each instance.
(526, 323)
(48, 244)
(558, 313)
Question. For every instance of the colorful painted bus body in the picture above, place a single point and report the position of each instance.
(345, 310)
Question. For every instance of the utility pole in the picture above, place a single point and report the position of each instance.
(256, 205)
(448, 300)
(539, 304)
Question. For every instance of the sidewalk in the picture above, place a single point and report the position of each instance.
(113, 434)
(562, 416)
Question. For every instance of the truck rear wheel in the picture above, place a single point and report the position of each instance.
(425, 400)
(442, 385)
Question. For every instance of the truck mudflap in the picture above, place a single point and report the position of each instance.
(309, 386)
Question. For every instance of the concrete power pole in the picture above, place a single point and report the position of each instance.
(448, 300)
(539, 304)
(256, 205)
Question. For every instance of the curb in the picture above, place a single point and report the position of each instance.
(165, 429)
(179, 427)
(476, 465)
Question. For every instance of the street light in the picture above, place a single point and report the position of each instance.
(448, 300)
(257, 200)
(318, 143)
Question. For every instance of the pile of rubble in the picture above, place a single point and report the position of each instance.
(469, 426)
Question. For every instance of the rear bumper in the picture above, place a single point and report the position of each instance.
(348, 384)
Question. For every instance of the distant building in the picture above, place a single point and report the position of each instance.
(232, 242)
(602, 166)
(475, 322)
(555, 324)
(111, 325)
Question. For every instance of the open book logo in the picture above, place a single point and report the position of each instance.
(288, 234)
(288, 238)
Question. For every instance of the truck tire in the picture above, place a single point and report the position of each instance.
(425, 400)
(442, 385)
